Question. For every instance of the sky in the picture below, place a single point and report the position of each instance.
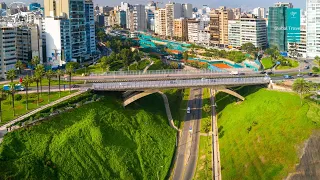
(244, 4)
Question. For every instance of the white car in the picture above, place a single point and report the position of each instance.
(188, 110)
(234, 73)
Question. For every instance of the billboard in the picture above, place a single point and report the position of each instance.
(293, 25)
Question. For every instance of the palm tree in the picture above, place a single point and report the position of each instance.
(26, 82)
(11, 74)
(12, 92)
(1, 99)
(40, 70)
(59, 73)
(49, 74)
(35, 61)
(301, 86)
(69, 71)
(36, 78)
(19, 66)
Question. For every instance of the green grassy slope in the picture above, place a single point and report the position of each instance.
(260, 138)
(267, 63)
(99, 140)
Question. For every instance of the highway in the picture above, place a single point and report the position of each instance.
(186, 162)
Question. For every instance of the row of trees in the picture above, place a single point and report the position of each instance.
(39, 73)
(301, 86)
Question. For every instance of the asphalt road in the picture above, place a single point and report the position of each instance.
(189, 141)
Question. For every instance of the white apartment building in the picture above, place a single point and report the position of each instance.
(8, 56)
(193, 30)
(313, 28)
(247, 30)
(254, 30)
(204, 37)
(160, 22)
(58, 38)
(259, 12)
(234, 29)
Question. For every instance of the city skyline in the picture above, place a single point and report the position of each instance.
(245, 4)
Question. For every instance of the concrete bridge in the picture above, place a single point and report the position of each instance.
(180, 84)
(117, 76)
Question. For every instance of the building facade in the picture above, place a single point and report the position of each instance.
(181, 29)
(90, 28)
(313, 28)
(8, 56)
(234, 31)
(253, 30)
(160, 22)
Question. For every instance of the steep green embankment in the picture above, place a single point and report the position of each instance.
(98, 140)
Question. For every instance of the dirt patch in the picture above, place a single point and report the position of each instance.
(262, 159)
(309, 166)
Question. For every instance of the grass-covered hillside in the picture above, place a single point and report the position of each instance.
(101, 140)
(262, 137)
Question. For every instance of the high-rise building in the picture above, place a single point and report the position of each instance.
(253, 30)
(313, 28)
(8, 56)
(219, 25)
(121, 16)
(90, 28)
(150, 18)
(234, 31)
(34, 6)
(187, 10)
(160, 22)
(137, 18)
(181, 29)
(259, 12)
(3, 5)
(193, 30)
(236, 13)
(280, 28)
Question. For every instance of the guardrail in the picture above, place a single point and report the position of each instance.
(180, 83)
(153, 72)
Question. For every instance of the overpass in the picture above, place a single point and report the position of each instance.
(158, 75)
(180, 84)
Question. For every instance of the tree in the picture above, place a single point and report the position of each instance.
(1, 99)
(59, 73)
(103, 64)
(69, 71)
(301, 86)
(206, 108)
(36, 78)
(35, 61)
(101, 35)
(273, 52)
(11, 74)
(12, 92)
(317, 58)
(19, 66)
(248, 47)
(185, 55)
(40, 71)
(26, 82)
(49, 74)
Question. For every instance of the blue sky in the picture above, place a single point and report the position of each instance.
(245, 4)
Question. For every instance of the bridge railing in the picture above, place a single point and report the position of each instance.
(153, 72)
(180, 83)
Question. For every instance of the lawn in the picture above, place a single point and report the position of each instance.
(20, 106)
(204, 164)
(140, 65)
(293, 63)
(260, 138)
(91, 69)
(101, 140)
(267, 62)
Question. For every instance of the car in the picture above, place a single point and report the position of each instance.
(307, 67)
(262, 72)
(315, 75)
(305, 61)
(269, 73)
(75, 86)
(234, 73)
(287, 77)
(300, 75)
(188, 110)
(310, 74)
(242, 74)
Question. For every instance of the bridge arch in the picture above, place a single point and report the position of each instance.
(138, 95)
(233, 93)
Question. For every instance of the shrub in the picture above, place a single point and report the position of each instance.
(37, 116)
(18, 97)
(315, 69)
(95, 97)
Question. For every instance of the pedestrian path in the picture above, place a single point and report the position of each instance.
(3, 128)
